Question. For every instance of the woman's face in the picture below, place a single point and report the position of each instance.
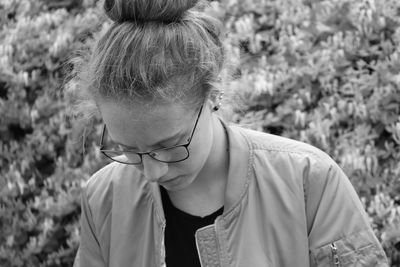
(146, 128)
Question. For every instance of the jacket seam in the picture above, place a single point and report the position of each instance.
(323, 166)
(154, 202)
(314, 156)
(244, 191)
(90, 215)
(91, 223)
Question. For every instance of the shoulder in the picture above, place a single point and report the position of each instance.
(284, 154)
(110, 180)
(104, 179)
(273, 143)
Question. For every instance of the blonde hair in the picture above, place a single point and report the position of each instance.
(154, 51)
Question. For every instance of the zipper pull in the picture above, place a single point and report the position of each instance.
(335, 255)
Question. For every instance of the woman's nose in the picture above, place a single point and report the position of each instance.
(153, 169)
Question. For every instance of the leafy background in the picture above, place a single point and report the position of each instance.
(323, 72)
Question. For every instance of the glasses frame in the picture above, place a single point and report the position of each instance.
(141, 154)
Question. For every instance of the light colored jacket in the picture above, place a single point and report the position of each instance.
(286, 204)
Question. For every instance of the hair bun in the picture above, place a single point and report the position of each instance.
(147, 10)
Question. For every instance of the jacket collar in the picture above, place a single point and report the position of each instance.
(239, 167)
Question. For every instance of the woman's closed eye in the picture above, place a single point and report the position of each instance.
(170, 143)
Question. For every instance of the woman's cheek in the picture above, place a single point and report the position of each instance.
(192, 164)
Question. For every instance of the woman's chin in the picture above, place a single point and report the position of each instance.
(177, 184)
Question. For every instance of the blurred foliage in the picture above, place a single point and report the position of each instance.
(323, 72)
(42, 166)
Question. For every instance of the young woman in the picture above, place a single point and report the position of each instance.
(186, 188)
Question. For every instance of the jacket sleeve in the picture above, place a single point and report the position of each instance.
(339, 231)
(89, 252)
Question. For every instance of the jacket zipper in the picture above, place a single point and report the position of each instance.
(197, 244)
(335, 255)
(162, 246)
(217, 240)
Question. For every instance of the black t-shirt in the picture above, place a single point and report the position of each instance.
(180, 244)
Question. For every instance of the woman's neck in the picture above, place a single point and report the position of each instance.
(206, 194)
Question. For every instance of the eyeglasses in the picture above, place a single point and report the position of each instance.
(172, 154)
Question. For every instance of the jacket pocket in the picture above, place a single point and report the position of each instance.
(358, 250)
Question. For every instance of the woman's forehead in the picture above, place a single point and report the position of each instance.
(147, 124)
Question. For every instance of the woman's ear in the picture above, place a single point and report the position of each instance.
(217, 101)
(213, 104)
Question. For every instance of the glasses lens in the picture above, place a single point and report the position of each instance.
(171, 154)
(116, 153)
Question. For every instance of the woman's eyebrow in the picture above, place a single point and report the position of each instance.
(167, 139)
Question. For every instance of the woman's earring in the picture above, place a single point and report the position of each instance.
(218, 106)
(215, 108)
